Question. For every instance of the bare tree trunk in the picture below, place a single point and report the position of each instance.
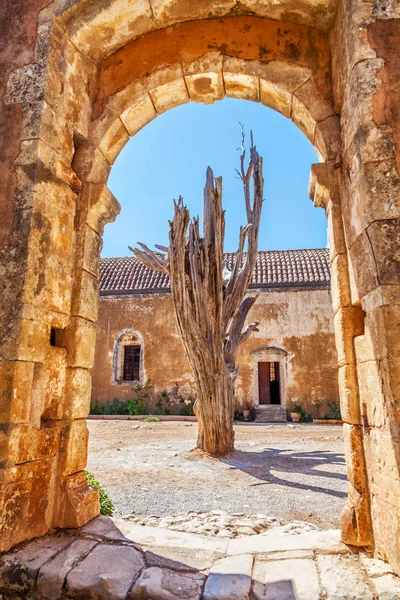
(209, 301)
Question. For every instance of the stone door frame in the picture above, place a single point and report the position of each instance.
(270, 354)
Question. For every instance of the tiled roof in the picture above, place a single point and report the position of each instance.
(274, 269)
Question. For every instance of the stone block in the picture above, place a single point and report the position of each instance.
(336, 240)
(73, 447)
(86, 295)
(303, 119)
(354, 452)
(205, 87)
(138, 114)
(169, 95)
(101, 205)
(313, 102)
(19, 569)
(387, 587)
(363, 264)
(384, 329)
(90, 164)
(274, 97)
(345, 323)
(238, 85)
(104, 528)
(341, 577)
(108, 571)
(76, 502)
(386, 539)
(167, 12)
(165, 584)
(80, 339)
(290, 578)
(48, 387)
(327, 139)
(382, 451)
(23, 443)
(16, 379)
(230, 578)
(77, 393)
(52, 574)
(385, 241)
(364, 346)
(26, 501)
(340, 284)
(51, 248)
(349, 398)
(113, 140)
(70, 77)
(92, 245)
(372, 400)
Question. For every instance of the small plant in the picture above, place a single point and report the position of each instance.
(187, 405)
(137, 405)
(163, 404)
(335, 410)
(297, 408)
(238, 416)
(152, 419)
(106, 504)
(248, 405)
(318, 404)
(117, 407)
(96, 408)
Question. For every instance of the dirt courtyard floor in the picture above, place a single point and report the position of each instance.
(289, 472)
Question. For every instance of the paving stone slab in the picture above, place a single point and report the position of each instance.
(104, 528)
(152, 536)
(277, 541)
(164, 584)
(292, 578)
(181, 559)
(342, 578)
(387, 587)
(106, 573)
(286, 555)
(375, 567)
(230, 578)
(53, 573)
(19, 568)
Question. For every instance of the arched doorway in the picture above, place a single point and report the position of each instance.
(97, 82)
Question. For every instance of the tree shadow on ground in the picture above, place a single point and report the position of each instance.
(261, 464)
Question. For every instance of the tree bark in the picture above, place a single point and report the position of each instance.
(210, 303)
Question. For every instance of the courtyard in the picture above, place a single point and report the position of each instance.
(285, 472)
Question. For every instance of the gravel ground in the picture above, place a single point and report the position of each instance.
(289, 472)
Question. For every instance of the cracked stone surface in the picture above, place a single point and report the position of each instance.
(112, 559)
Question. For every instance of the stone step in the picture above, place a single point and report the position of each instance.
(270, 414)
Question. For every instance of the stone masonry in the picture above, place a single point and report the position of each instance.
(101, 561)
(79, 77)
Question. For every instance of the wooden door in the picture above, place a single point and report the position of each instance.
(264, 393)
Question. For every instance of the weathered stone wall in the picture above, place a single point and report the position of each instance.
(62, 130)
(300, 322)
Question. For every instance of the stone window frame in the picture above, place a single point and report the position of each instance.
(270, 354)
(126, 337)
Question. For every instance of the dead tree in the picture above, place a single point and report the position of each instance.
(210, 301)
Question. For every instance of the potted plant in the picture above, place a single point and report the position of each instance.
(247, 409)
(297, 413)
(317, 403)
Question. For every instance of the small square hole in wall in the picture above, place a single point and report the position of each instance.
(56, 336)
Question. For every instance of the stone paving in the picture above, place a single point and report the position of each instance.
(119, 560)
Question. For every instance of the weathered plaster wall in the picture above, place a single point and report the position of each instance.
(299, 322)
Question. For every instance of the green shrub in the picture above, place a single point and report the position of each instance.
(187, 404)
(106, 504)
(238, 415)
(137, 406)
(117, 407)
(335, 410)
(152, 419)
(297, 408)
(96, 408)
(163, 404)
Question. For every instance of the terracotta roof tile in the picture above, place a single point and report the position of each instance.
(274, 269)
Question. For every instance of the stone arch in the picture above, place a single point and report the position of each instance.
(126, 337)
(61, 87)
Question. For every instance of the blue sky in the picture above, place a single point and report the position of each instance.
(169, 157)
